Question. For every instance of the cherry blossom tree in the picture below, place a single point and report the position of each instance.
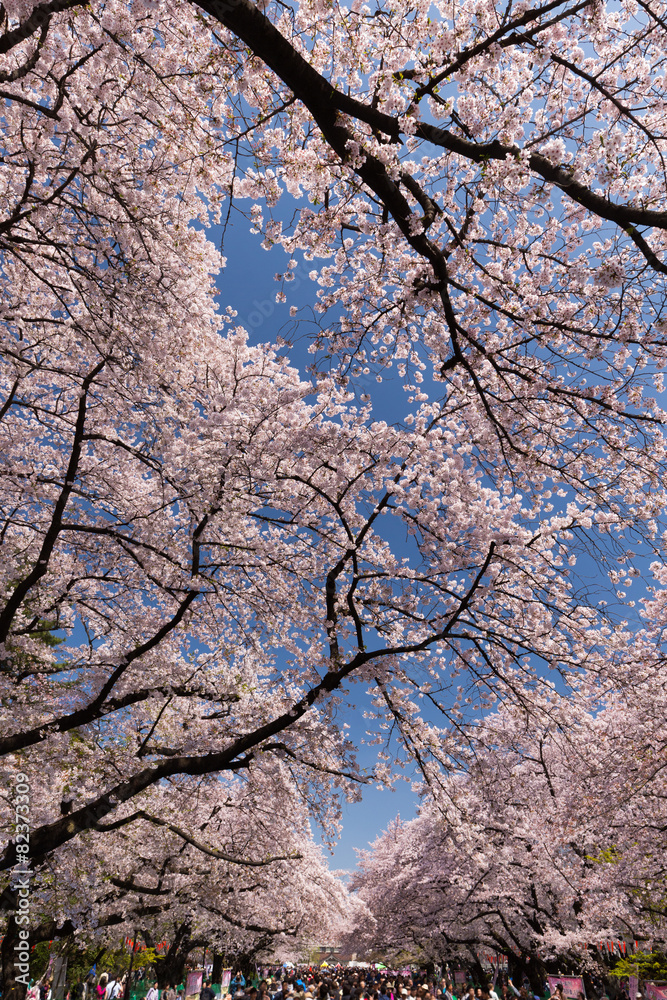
(198, 863)
(544, 841)
(226, 544)
(215, 550)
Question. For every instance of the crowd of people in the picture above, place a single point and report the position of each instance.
(338, 983)
(107, 987)
(307, 983)
(362, 984)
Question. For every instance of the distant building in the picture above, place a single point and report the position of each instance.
(333, 954)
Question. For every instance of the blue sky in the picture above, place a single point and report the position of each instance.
(364, 820)
(247, 284)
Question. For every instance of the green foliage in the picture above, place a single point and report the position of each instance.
(80, 961)
(39, 959)
(144, 959)
(644, 964)
(606, 855)
(42, 631)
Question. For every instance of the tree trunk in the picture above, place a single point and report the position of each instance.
(216, 974)
(537, 974)
(518, 969)
(246, 963)
(171, 969)
(479, 975)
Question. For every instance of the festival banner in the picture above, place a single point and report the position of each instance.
(460, 977)
(572, 986)
(654, 991)
(59, 977)
(633, 986)
(193, 983)
(225, 981)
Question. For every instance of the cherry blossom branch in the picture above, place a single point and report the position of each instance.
(99, 706)
(482, 46)
(21, 71)
(39, 16)
(335, 772)
(237, 756)
(51, 535)
(324, 102)
(212, 852)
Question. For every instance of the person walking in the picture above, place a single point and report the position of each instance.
(237, 983)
